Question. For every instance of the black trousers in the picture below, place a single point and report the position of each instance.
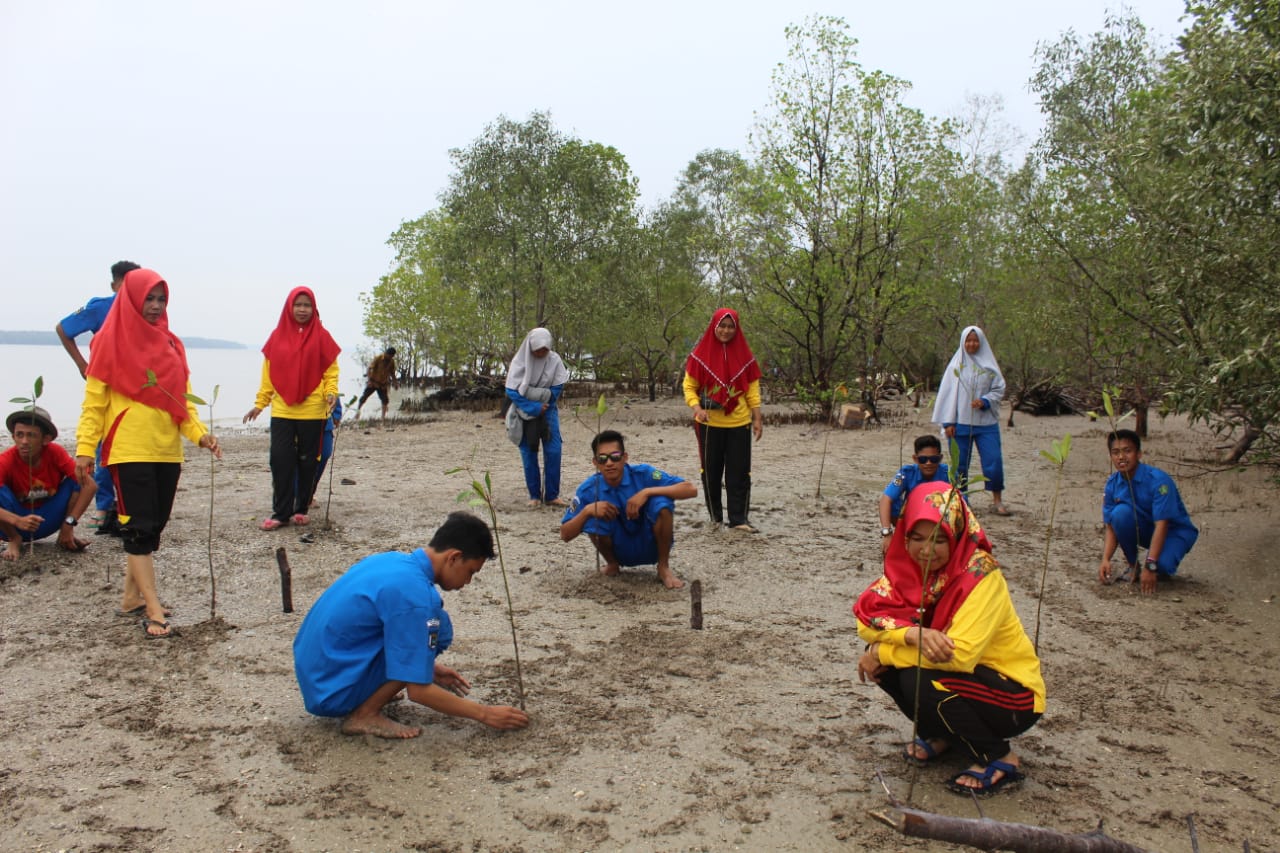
(295, 453)
(727, 458)
(144, 494)
(979, 711)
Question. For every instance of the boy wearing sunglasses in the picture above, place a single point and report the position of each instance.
(628, 511)
(926, 467)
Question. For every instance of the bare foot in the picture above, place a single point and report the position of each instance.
(12, 551)
(535, 503)
(610, 569)
(379, 725)
(668, 578)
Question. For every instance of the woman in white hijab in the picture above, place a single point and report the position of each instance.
(534, 382)
(968, 409)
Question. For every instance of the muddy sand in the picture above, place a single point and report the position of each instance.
(753, 733)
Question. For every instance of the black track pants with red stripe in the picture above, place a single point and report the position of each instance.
(979, 711)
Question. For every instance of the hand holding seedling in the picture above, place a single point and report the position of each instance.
(210, 441)
(700, 415)
(605, 510)
(869, 666)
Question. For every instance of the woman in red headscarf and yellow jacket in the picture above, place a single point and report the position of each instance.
(944, 637)
(135, 404)
(722, 387)
(300, 384)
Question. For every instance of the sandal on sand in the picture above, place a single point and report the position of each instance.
(272, 524)
(1011, 778)
(146, 625)
(930, 751)
(300, 519)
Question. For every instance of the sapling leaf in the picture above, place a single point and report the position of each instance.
(1047, 455)
(1106, 404)
(601, 406)
(488, 483)
(192, 398)
(39, 386)
(463, 496)
(19, 399)
(453, 470)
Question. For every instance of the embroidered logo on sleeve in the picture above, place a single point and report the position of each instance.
(658, 475)
(1164, 489)
(433, 634)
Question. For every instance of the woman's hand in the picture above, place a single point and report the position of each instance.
(757, 423)
(84, 468)
(869, 666)
(210, 441)
(936, 646)
(251, 415)
(700, 415)
(950, 431)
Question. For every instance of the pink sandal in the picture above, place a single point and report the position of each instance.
(300, 519)
(272, 524)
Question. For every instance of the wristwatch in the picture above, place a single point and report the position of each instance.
(886, 531)
(70, 521)
(1150, 565)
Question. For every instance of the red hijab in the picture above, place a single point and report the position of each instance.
(723, 371)
(127, 347)
(893, 600)
(299, 354)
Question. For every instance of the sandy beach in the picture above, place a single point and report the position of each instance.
(750, 734)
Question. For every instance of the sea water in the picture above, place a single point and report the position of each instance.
(236, 373)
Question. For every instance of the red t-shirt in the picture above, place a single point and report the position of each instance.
(36, 484)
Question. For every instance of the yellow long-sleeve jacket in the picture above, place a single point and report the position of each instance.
(131, 431)
(741, 415)
(986, 631)
(314, 408)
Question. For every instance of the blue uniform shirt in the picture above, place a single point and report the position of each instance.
(89, 318)
(633, 541)
(1155, 498)
(907, 478)
(383, 620)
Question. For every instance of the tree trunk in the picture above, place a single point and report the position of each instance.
(1251, 434)
(994, 835)
(1141, 414)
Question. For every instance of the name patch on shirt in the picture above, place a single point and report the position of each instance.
(433, 634)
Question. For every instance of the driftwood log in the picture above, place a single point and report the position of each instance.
(994, 835)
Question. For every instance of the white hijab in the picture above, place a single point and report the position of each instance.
(959, 379)
(528, 371)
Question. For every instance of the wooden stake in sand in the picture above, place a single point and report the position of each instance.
(695, 605)
(286, 580)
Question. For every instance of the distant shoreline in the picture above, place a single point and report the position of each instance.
(28, 339)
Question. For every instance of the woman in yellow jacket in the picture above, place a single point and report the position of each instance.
(943, 636)
(300, 384)
(722, 387)
(135, 404)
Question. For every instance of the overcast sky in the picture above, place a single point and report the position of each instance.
(244, 147)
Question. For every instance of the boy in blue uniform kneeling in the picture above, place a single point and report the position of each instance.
(627, 510)
(379, 628)
(1141, 507)
(926, 467)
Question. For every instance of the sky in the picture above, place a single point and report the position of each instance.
(244, 147)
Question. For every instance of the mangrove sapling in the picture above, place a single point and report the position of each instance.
(1057, 454)
(481, 493)
(29, 404)
(841, 393)
(333, 452)
(602, 406)
(192, 398)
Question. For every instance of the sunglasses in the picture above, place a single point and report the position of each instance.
(615, 456)
(928, 460)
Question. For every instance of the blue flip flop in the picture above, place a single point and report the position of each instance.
(1011, 779)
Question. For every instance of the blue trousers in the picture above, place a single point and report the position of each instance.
(105, 498)
(987, 439)
(547, 489)
(53, 510)
(1129, 536)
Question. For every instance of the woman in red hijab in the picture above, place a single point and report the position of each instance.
(940, 621)
(135, 403)
(722, 386)
(300, 384)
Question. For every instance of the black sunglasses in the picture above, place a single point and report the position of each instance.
(615, 456)
(928, 460)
